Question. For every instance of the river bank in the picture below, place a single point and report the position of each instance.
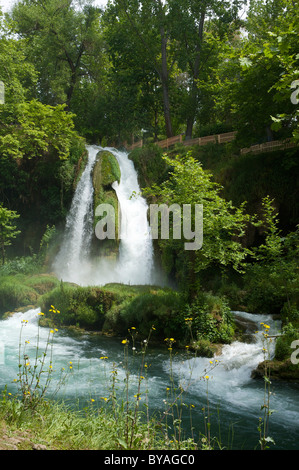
(114, 309)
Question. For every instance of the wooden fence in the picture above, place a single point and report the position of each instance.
(269, 146)
(220, 139)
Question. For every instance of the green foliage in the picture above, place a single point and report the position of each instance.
(211, 319)
(7, 230)
(79, 306)
(106, 171)
(223, 224)
(62, 43)
(21, 265)
(251, 84)
(161, 308)
(15, 293)
(22, 290)
(39, 129)
(283, 343)
(150, 165)
(273, 281)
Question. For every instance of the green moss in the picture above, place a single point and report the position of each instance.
(20, 290)
(106, 172)
(115, 308)
(149, 164)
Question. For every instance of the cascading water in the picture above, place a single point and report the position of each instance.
(75, 247)
(135, 261)
(136, 249)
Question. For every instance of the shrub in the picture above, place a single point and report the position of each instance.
(212, 319)
(283, 348)
(81, 306)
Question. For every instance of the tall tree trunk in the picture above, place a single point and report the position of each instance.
(165, 80)
(162, 71)
(196, 69)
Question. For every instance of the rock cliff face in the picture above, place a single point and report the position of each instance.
(106, 172)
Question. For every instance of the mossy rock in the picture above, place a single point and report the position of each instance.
(279, 370)
(105, 173)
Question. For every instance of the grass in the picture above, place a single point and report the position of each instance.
(60, 427)
(20, 290)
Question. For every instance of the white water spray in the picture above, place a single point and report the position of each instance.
(230, 377)
(135, 262)
(136, 249)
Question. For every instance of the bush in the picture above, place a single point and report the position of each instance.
(203, 348)
(84, 307)
(149, 164)
(160, 308)
(212, 319)
(21, 265)
(283, 348)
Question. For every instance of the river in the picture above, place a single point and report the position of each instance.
(234, 398)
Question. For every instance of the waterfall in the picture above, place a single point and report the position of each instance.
(135, 261)
(136, 250)
(75, 246)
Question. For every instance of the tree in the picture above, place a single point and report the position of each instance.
(146, 41)
(223, 224)
(7, 230)
(252, 82)
(39, 130)
(178, 40)
(63, 40)
(199, 29)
